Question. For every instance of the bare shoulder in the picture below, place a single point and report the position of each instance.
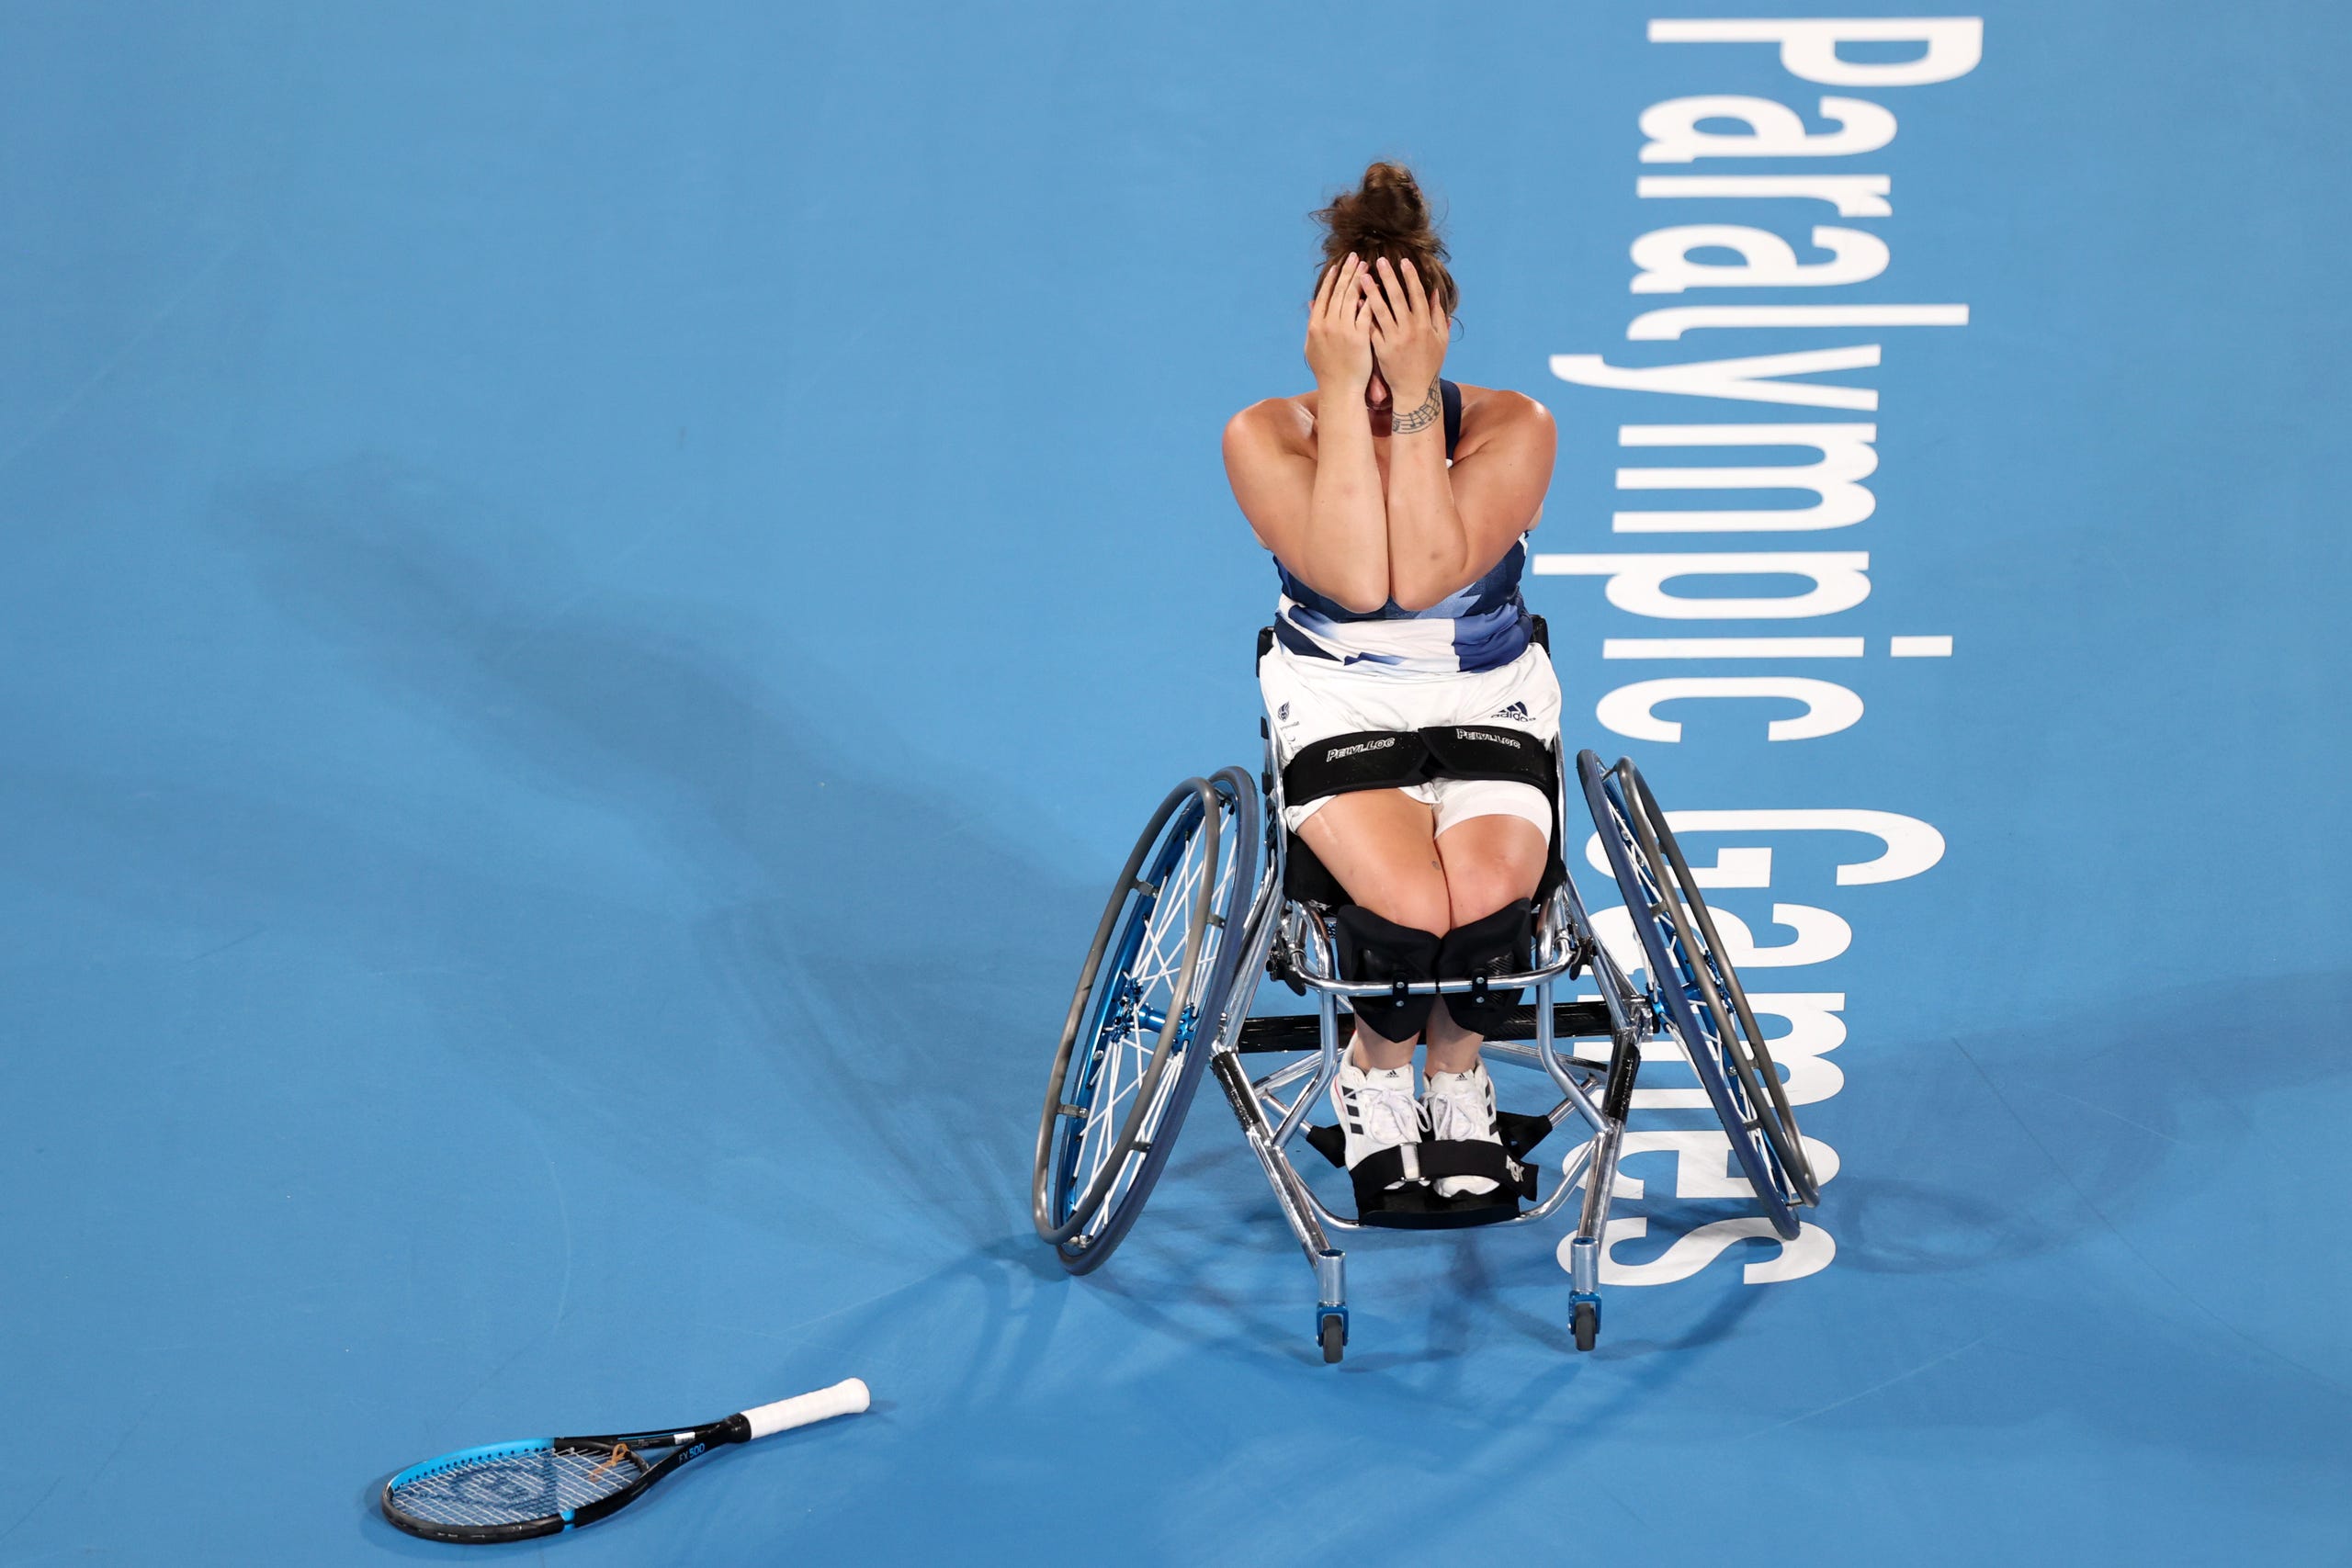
(1497, 413)
(1273, 425)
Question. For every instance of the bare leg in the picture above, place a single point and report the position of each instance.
(1488, 862)
(1380, 843)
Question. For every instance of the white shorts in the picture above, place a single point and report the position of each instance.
(1314, 699)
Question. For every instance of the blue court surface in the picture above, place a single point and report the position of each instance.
(594, 594)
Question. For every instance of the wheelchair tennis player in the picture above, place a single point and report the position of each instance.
(1397, 506)
(1400, 850)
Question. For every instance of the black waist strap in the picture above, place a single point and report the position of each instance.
(1395, 759)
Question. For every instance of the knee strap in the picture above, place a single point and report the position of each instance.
(1488, 751)
(1497, 944)
(1372, 948)
(1364, 758)
(1395, 759)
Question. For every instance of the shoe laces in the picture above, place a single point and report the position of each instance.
(1388, 1116)
(1462, 1109)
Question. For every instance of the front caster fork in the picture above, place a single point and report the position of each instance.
(1584, 1290)
(1332, 1304)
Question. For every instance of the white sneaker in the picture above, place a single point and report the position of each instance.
(1462, 1107)
(1376, 1111)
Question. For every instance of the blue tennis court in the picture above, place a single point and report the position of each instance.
(593, 595)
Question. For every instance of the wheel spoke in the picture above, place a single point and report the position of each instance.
(1133, 1047)
(1130, 1036)
(1697, 978)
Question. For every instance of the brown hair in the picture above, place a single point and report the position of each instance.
(1385, 216)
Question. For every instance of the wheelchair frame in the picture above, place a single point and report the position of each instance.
(1699, 1004)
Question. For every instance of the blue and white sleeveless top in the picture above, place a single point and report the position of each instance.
(1483, 627)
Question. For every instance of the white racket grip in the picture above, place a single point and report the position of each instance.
(846, 1397)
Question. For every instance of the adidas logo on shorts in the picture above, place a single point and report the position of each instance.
(1516, 710)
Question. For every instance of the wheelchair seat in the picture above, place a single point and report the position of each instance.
(1306, 880)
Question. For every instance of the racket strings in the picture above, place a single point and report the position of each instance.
(516, 1487)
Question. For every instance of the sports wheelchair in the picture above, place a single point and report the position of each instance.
(1217, 893)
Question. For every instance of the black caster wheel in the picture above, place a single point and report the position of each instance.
(1334, 1336)
(1584, 1322)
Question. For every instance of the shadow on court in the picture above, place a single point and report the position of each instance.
(877, 943)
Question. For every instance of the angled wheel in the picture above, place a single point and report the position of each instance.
(1720, 981)
(1696, 990)
(1149, 1001)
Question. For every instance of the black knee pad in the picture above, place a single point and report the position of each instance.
(1497, 944)
(1372, 948)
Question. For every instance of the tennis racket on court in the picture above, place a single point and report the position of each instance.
(545, 1485)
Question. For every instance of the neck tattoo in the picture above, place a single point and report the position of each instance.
(1421, 418)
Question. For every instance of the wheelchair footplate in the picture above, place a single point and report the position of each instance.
(1415, 1204)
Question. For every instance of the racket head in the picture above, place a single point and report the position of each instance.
(514, 1490)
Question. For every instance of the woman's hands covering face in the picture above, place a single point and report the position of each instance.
(1339, 330)
(1409, 335)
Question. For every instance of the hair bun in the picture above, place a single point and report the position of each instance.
(1386, 207)
(1387, 215)
(1391, 191)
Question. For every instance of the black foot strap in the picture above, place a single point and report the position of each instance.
(1520, 1134)
(1416, 1206)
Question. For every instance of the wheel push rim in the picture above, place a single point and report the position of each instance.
(1131, 1015)
(1720, 982)
(1140, 1161)
(1227, 939)
(1676, 983)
